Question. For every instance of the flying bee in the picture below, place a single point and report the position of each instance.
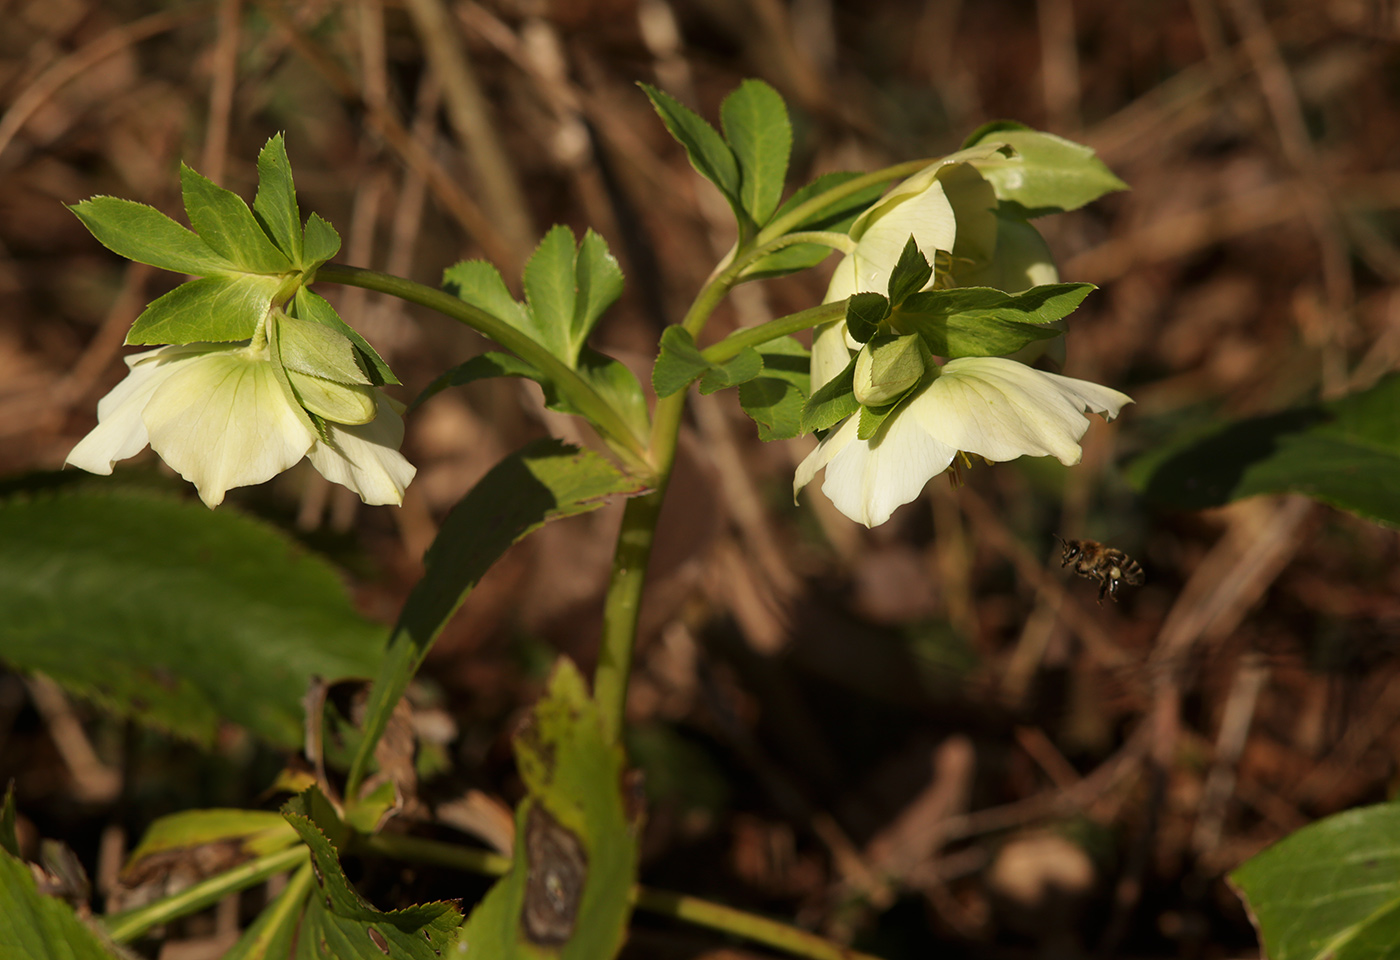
(1110, 566)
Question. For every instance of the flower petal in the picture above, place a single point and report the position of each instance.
(366, 458)
(927, 216)
(225, 420)
(830, 353)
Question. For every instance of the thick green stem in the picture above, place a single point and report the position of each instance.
(579, 391)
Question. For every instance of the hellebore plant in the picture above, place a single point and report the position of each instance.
(943, 280)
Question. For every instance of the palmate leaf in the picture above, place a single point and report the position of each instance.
(214, 309)
(223, 221)
(172, 614)
(567, 893)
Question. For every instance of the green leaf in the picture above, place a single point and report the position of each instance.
(36, 927)
(1046, 174)
(741, 368)
(317, 350)
(223, 221)
(173, 614)
(755, 122)
(480, 367)
(256, 832)
(775, 398)
(543, 481)
(679, 363)
(550, 294)
(833, 402)
(215, 309)
(872, 419)
(312, 306)
(479, 283)
(340, 924)
(1331, 891)
(780, 263)
(275, 205)
(144, 234)
(615, 383)
(320, 242)
(864, 314)
(983, 322)
(910, 274)
(567, 893)
(598, 280)
(1345, 453)
(273, 935)
(709, 154)
(836, 218)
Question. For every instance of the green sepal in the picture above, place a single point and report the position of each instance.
(910, 274)
(774, 399)
(223, 221)
(755, 122)
(887, 368)
(144, 234)
(833, 402)
(317, 350)
(215, 309)
(349, 404)
(275, 204)
(873, 418)
(864, 314)
(307, 305)
(984, 322)
(1043, 173)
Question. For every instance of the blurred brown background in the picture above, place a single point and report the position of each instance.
(922, 737)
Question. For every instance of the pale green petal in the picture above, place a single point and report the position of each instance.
(843, 281)
(868, 479)
(366, 458)
(120, 431)
(1001, 409)
(830, 354)
(225, 420)
(836, 441)
(338, 402)
(974, 207)
(1022, 260)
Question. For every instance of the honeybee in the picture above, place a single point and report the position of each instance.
(1110, 566)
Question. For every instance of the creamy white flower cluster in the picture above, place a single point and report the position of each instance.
(994, 407)
(227, 415)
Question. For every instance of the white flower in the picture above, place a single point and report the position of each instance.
(221, 416)
(996, 408)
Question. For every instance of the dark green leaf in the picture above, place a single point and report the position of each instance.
(1331, 891)
(774, 400)
(911, 274)
(741, 368)
(144, 234)
(223, 221)
(708, 152)
(312, 306)
(983, 322)
(320, 242)
(543, 481)
(864, 314)
(214, 309)
(756, 124)
(574, 824)
(679, 364)
(175, 615)
(275, 205)
(873, 418)
(832, 403)
(1046, 174)
(36, 927)
(1345, 453)
(480, 367)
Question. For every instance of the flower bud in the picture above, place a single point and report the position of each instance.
(887, 368)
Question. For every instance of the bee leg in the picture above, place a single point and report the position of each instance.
(1104, 587)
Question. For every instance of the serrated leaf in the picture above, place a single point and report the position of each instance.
(320, 242)
(741, 368)
(873, 418)
(314, 307)
(172, 614)
(567, 893)
(542, 481)
(775, 398)
(479, 283)
(833, 402)
(225, 223)
(755, 122)
(983, 322)
(864, 314)
(1345, 453)
(1046, 174)
(213, 309)
(36, 927)
(911, 273)
(144, 234)
(708, 153)
(615, 383)
(550, 292)
(679, 363)
(1330, 891)
(275, 205)
(598, 282)
(480, 367)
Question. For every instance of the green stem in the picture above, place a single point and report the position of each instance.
(680, 906)
(821, 201)
(579, 391)
(738, 341)
(128, 925)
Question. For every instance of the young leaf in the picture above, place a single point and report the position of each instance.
(872, 419)
(983, 322)
(679, 364)
(479, 283)
(144, 234)
(598, 280)
(213, 309)
(741, 368)
(708, 152)
(775, 398)
(275, 205)
(320, 242)
(1331, 890)
(1345, 453)
(36, 927)
(910, 274)
(223, 221)
(312, 306)
(755, 122)
(172, 614)
(864, 314)
(833, 402)
(483, 366)
(1046, 173)
(567, 893)
(550, 293)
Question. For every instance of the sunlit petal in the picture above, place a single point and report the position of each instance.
(366, 458)
(868, 479)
